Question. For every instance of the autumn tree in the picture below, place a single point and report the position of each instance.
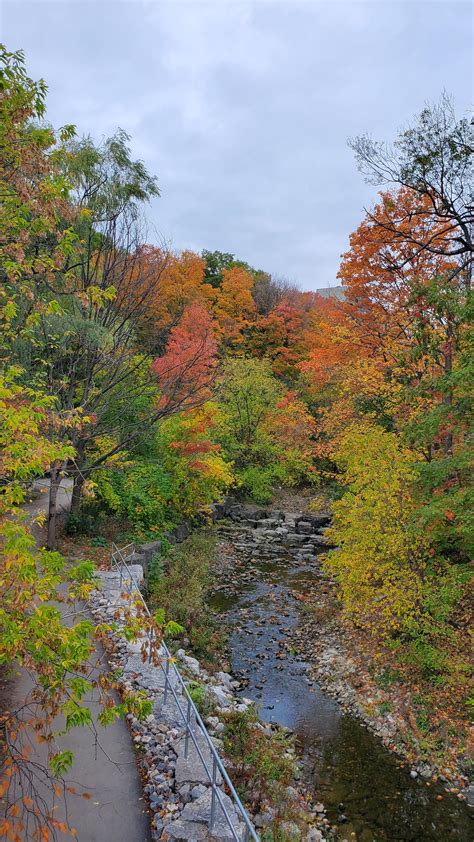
(433, 159)
(35, 217)
(234, 306)
(185, 370)
(264, 430)
(180, 283)
(282, 335)
(57, 655)
(380, 558)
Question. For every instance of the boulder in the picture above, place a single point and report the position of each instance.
(200, 812)
(316, 521)
(190, 769)
(181, 831)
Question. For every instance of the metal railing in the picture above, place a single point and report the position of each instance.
(119, 561)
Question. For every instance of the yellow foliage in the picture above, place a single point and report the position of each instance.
(380, 560)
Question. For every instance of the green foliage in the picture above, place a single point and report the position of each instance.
(182, 474)
(105, 178)
(216, 263)
(179, 592)
(248, 390)
(258, 483)
(60, 763)
(388, 677)
(88, 521)
(156, 568)
(200, 697)
(265, 432)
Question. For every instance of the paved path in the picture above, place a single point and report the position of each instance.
(115, 811)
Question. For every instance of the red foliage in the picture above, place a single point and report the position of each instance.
(186, 368)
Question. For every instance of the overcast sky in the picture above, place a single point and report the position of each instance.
(243, 110)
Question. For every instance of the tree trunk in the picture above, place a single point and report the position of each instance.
(448, 395)
(78, 482)
(52, 505)
(78, 478)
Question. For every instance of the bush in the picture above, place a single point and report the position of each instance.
(179, 587)
(257, 483)
(263, 770)
(88, 521)
(201, 698)
(256, 757)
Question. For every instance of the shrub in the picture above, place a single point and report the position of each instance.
(179, 588)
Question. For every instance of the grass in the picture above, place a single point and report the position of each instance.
(179, 585)
(262, 769)
(200, 697)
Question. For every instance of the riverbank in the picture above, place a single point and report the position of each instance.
(260, 758)
(273, 599)
(290, 654)
(366, 682)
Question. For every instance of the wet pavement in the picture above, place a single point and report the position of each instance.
(113, 809)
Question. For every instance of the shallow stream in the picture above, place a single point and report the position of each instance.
(367, 794)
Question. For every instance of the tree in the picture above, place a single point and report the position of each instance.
(181, 283)
(186, 368)
(281, 336)
(235, 307)
(86, 349)
(58, 656)
(216, 262)
(384, 266)
(35, 217)
(268, 292)
(178, 471)
(265, 431)
(380, 558)
(433, 159)
(246, 392)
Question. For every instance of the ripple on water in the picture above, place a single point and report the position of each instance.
(347, 764)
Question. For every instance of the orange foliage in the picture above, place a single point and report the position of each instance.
(185, 369)
(167, 284)
(379, 269)
(235, 307)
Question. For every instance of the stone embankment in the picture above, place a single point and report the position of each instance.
(302, 536)
(177, 788)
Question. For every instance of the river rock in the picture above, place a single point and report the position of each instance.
(314, 835)
(225, 679)
(290, 830)
(220, 696)
(199, 812)
(181, 831)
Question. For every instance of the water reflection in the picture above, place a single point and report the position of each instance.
(353, 773)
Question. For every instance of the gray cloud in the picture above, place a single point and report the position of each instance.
(243, 109)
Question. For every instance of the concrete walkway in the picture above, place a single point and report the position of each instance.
(104, 764)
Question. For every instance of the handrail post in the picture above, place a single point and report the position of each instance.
(186, 739)
(213, 797)
(167, 669)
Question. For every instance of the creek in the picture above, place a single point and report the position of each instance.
(368, 793)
